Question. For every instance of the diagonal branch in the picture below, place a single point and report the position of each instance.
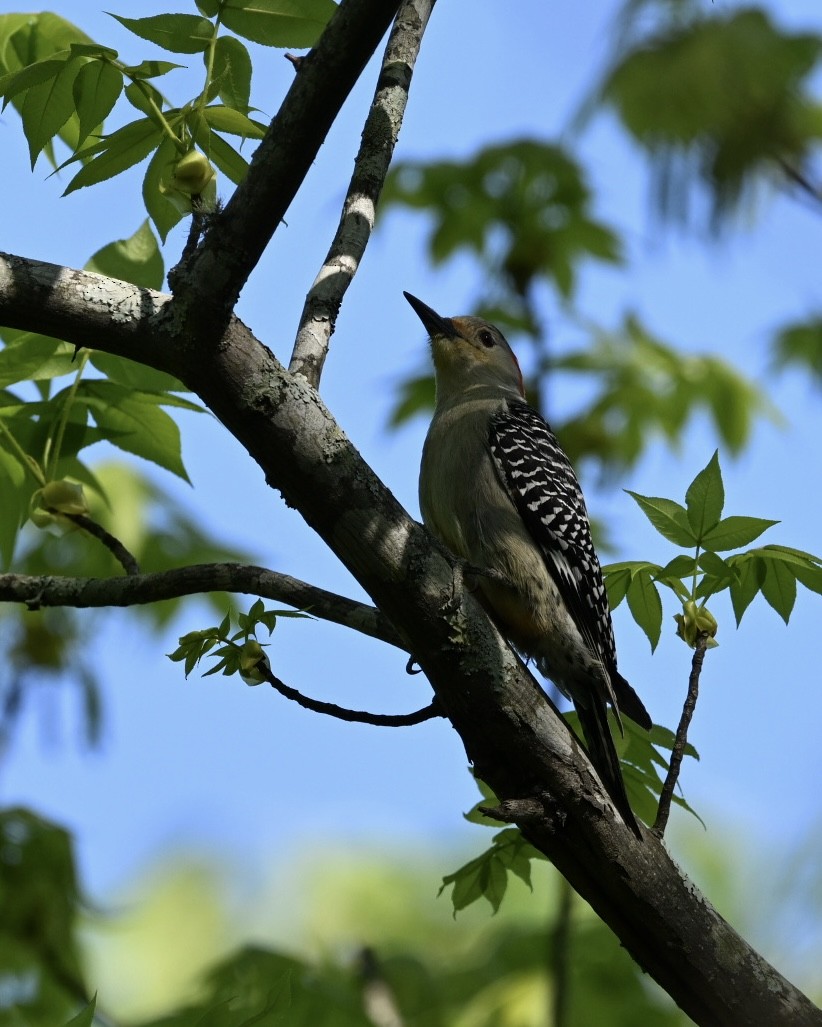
(207, 289)
(379, 137)
(136, 590)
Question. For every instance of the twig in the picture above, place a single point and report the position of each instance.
(50, 590)
(351, 716)
(379, 137)
(800, 179)
(218, 270)
(681, 739)
(114, 545)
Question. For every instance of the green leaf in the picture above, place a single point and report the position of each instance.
(96, 90)
(133, 422)
(779, 588)
(180, 33)
(750, 574)
(297, 23)
(226, 119)
(14, 82)
(85, 1018)
(717, 567)
(208, 7)
(801, 345)
(669, 518)
(646, 606)
(47, 107)
(137, 259)
(616, 584)
(681, 566)
(150, 69)
(16, 488)
(133, 375)
(232, 72)
(34, 357)
(735, 532)
(705, 498)
(416, 396)
(121, 150)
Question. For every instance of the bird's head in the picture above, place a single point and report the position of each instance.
(468, 351)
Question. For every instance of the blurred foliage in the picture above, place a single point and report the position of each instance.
(42, 982)
(522, 208)
(366, 936)
(645, 389)
(164, 958)
(717, 97)
(799, 345)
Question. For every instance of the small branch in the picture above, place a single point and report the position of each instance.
(218, 270)
(114, 545)
(134, 590)
(379, 138)
(331, 709)
(799, 179)
(681, 739)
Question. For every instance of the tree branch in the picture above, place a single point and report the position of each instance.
(114, 545)
(138, 589)
(207, 288)
(681, 740)
(331, 709)
(515, 739)
(379, 137)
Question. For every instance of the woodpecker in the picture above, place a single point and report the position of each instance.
(498, 491)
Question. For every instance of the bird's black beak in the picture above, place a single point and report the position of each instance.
(434, 324)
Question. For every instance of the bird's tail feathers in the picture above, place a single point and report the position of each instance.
(600, 744)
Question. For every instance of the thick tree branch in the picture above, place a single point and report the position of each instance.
(207, 288)
(135, 590)
(379, 137)
(514, 737)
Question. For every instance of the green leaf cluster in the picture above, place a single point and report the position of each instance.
(522, 208)
(800, 345)
(644, 388)
(643, 769)
(65, 85)
(696, 576)
(719, 95)
(39, 953)
(238, 653)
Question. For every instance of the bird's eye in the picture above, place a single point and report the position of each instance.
(486, 338)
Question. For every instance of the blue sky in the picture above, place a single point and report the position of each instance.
(214, 763)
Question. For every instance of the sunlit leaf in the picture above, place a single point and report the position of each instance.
(705, 498)
(137, 259)
(296, 23)
(121, 150)
(180, 33)
(232, 72)
(96, 89)
(669, 518)
(735, 532)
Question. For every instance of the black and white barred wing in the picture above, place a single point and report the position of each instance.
(545, 491)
